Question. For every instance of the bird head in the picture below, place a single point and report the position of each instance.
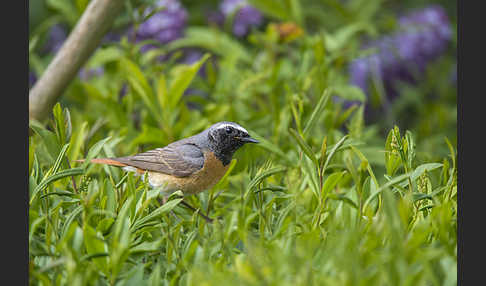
(226, 137)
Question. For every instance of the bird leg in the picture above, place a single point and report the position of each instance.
(194, 210)
(164, 200)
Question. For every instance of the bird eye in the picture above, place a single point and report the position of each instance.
(228, 130)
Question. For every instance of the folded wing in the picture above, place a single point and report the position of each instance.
(177, 160)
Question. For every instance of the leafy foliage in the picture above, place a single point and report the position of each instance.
(326, 198)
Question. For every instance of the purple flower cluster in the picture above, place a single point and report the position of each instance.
(165, 25)
(56, 36)
(244, 15)
(422, 37)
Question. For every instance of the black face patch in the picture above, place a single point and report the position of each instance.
(225, 139)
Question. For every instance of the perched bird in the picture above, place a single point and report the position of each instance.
(192, 165)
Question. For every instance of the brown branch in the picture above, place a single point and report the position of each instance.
(78, 47)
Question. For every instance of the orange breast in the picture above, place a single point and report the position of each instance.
(211, 172)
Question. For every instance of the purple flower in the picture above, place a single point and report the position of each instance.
(123, 90)
(165, 25)
(87, 73)
(56, 36)
(422, 37)
(113, 36)
(192, 56)
(245, 15)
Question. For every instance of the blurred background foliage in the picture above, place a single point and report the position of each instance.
(285, 70)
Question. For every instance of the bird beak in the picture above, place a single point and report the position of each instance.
(249, 140)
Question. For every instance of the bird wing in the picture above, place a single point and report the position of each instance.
(180, 160)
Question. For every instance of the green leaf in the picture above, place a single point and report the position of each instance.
(421, 169)
(341, 37)
(68, 124)
(66, 9)
(147, 247)
(139, 83)
(53, 178)
(356, 124)
(59, 193)
(31, 154)
(350, 93)
(388, 184)
(95, 243)
(296, 114)
(57, 163)
(342, 197)
(187, 246)
(33, 43)
(77, 140)
(133, 277)
(296, 11)
(162, 92)
(279, 9)
(59, 124)
(150, 135)
(120, 242)
(392, 160)
(103, 56)
(304, 146)
(70, 218)
(105, 224)
(212, 40)
(333, 151)
(365, 161)
(310, 174)
(270, 147)
(410, 148)
(182, 76)
(34, 225)
(323, 154)
(156, 213)
(452, 153)
(156, 276)
(260, 177)
(81, 5)
(331, 182)
(48, 137)
(111, 196)
(94, 151)
(283, 214)
(317, 110)
(420, 196)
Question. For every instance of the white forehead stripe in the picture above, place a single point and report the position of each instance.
(224, 125)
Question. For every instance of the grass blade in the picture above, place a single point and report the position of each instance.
(317, 110)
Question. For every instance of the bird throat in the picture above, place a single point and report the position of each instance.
(225, 157)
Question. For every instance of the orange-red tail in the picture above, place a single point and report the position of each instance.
(104, 161)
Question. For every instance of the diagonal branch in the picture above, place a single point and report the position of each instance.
(78, 47)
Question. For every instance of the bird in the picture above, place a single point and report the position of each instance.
(191, 165)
